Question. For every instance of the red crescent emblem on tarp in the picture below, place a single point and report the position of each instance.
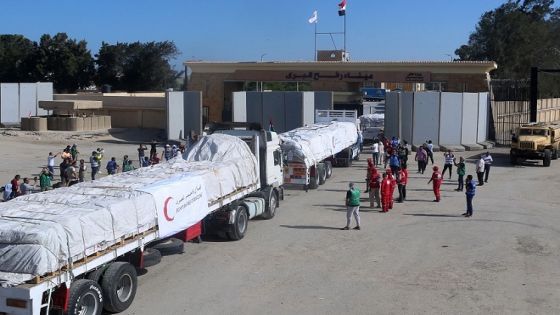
(165, 209)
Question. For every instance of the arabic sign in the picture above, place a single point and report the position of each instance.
(342, 76)
(180, 203)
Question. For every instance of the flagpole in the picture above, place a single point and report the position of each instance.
(345, 31)
(315, 51)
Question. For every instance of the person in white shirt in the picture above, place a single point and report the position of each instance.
(381, 153)
(50, 163)
(375, 153)
(480, 170)
(487, 163)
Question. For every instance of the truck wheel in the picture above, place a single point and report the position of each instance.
(314, 181)
(239, 225)
(97, 274)
(271, 205)
(328, 168)
(322, 173)
(151, 257)
(547, 158)
(555, 154)
(169, 246)
(85, 298)
(119, 286)
(512, 159)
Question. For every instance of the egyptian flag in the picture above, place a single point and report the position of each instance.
(342, 8)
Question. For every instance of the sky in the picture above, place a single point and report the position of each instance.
(246, 30)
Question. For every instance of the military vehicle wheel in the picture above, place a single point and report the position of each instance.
(547, 158)
(555, 154)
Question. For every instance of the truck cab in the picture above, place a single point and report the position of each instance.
(538, 141)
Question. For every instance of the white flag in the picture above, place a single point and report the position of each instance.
(314, 18)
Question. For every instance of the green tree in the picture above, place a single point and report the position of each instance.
(137, 66)
(17, 59)
(65, 62)
(517, 35)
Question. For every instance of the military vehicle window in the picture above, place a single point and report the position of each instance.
(539, 132)
(525, 132)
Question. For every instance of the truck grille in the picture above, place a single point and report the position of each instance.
(526, 145)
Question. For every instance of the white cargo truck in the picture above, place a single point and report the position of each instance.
(76, 250)
(310, 152)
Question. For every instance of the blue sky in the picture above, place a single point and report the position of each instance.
(243, 30)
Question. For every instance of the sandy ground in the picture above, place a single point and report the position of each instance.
(420, 258)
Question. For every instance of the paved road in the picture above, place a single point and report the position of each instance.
(420, 258)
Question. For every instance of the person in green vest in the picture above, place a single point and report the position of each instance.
(461, 170)
(127, 167)
(352, 206)
(45, 180)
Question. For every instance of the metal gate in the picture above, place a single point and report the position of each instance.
(509, 108)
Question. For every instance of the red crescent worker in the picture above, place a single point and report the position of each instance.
(374, 184)
(368, 174)
(385, 193)
(403, 180)
(393, 186)
(436, 180)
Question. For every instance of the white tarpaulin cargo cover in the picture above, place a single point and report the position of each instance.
(312, 144)
(372, 120)
(42, 232)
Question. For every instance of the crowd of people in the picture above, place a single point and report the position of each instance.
(73, 169)
(382, 182)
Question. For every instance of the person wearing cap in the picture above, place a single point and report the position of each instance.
(436, 183)
(352, 206)
(487, 163)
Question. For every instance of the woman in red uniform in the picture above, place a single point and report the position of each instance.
(436, 180)
(386, 193)
(374, 184)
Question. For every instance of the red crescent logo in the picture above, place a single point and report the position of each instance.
(165, 209)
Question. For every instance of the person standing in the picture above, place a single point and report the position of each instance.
(368, 172)
(15, 187)
(381, 152)
(374, 184)
(402, 180)
(94, 163)
(50, 163)
(112, 166)
(461, 170)
(62, 168)
(153, 149)
(436, 183)
(141, 153)
(81, 170)
(125, 162)
(27, 188)
(44, 180)
(375, 152)
(430, 151)
(74, 152)
(128, 167)
(471, 189)
(394, 163)
(71, 175)
(422, 158)
(352, 206)
(167, 153)
(448, 164)
(487, 163)
(480, 170)
(386, 194)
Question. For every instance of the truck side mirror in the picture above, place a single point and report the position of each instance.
(277, 157)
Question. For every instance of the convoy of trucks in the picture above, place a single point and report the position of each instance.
(76, 250)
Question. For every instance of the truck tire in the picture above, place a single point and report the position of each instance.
(151, 257)
(512, 158)
(97, 274)
(271, 205)
(328, 168)
(547, 158)
(322, 173)
(239, 225)
(169, 246)
(555, 154)
(314, 181)
(86, 298)
(119, 286)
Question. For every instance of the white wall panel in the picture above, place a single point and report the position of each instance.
(9, 103)
(470, 118)
(483, 112)
(406, 112)
(308, 108)
(239, 106)
(175, 116)
(451, 112)
(27, 99)
(44, 93)
(426, 117)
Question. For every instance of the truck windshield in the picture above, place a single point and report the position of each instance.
(525, 132)
(539, 132)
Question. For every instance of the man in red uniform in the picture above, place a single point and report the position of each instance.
(386, 195)
(368, 174)
(391, 176)
(374, 184)
(402, 181)
(436, 180)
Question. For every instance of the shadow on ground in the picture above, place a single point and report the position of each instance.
(309, 227)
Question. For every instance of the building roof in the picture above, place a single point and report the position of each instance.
(431, 66)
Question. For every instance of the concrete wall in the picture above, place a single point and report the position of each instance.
(406, 108)
(175, 116)
(450, 118)
(469, 130)
(239, 112)
(192, 107)
(19, 100)
(392, 114)
(483, 113)
(426, 118)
